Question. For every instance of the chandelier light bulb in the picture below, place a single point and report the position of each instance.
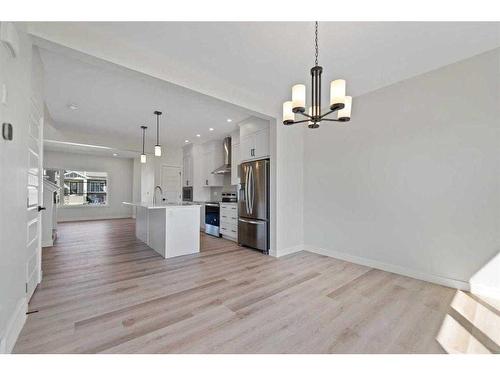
(337, 94)
(288, 116)
(157, 150)
(143, 158)
(299, 98)
(344, 114)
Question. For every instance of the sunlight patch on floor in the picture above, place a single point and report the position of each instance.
(472, 326)
(455, 339)
(487, 321)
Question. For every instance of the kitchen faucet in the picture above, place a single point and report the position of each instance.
(154, 193)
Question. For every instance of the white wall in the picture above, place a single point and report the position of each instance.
(120, 182)
(289, 193)
(412, 183)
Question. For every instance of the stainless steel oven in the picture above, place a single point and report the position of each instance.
(212, 219)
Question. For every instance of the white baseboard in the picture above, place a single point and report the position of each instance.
(14, 327)
(452, 283)
(91, 218)
(47, 243)
(289, 250)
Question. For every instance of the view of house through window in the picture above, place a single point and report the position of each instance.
(85, 188)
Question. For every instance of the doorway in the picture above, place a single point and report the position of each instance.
(171, 183)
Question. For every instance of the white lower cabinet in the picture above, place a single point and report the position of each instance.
(229, 220)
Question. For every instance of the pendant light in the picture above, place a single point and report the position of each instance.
(143, 155)
(157, 146)
(338, 99)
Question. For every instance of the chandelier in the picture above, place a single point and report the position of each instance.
(338, 100)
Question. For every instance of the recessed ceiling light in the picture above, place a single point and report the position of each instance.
(73, 107)
(186, 141)
(211, 129)
(229, 120)
(198, 135)
(115, 154)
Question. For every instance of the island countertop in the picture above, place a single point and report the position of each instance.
(151, 206)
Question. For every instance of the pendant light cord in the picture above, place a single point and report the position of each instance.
(143, 135)
(316, 42)
(157, 129)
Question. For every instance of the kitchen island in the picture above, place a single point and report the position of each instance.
(170, 229)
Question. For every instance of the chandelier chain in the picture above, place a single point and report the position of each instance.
(316, 43)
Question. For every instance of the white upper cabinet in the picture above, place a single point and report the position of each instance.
(254, 139)
(261, 148)
(212, 158)
(246, 147)
(187, 166)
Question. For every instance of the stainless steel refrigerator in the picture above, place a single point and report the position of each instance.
(253, 204)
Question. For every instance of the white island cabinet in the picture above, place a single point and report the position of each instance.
(169, 229)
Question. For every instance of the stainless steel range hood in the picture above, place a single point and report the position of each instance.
(226, 167)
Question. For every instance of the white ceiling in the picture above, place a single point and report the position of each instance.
(254, 64)
(114, 102)
(251, 64)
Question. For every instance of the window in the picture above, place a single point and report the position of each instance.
(83, 188)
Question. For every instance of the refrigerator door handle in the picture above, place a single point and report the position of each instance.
(252, 199)
(251, 221)
(247, 185)
(250, 189)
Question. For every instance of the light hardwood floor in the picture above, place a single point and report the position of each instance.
(104, 291)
